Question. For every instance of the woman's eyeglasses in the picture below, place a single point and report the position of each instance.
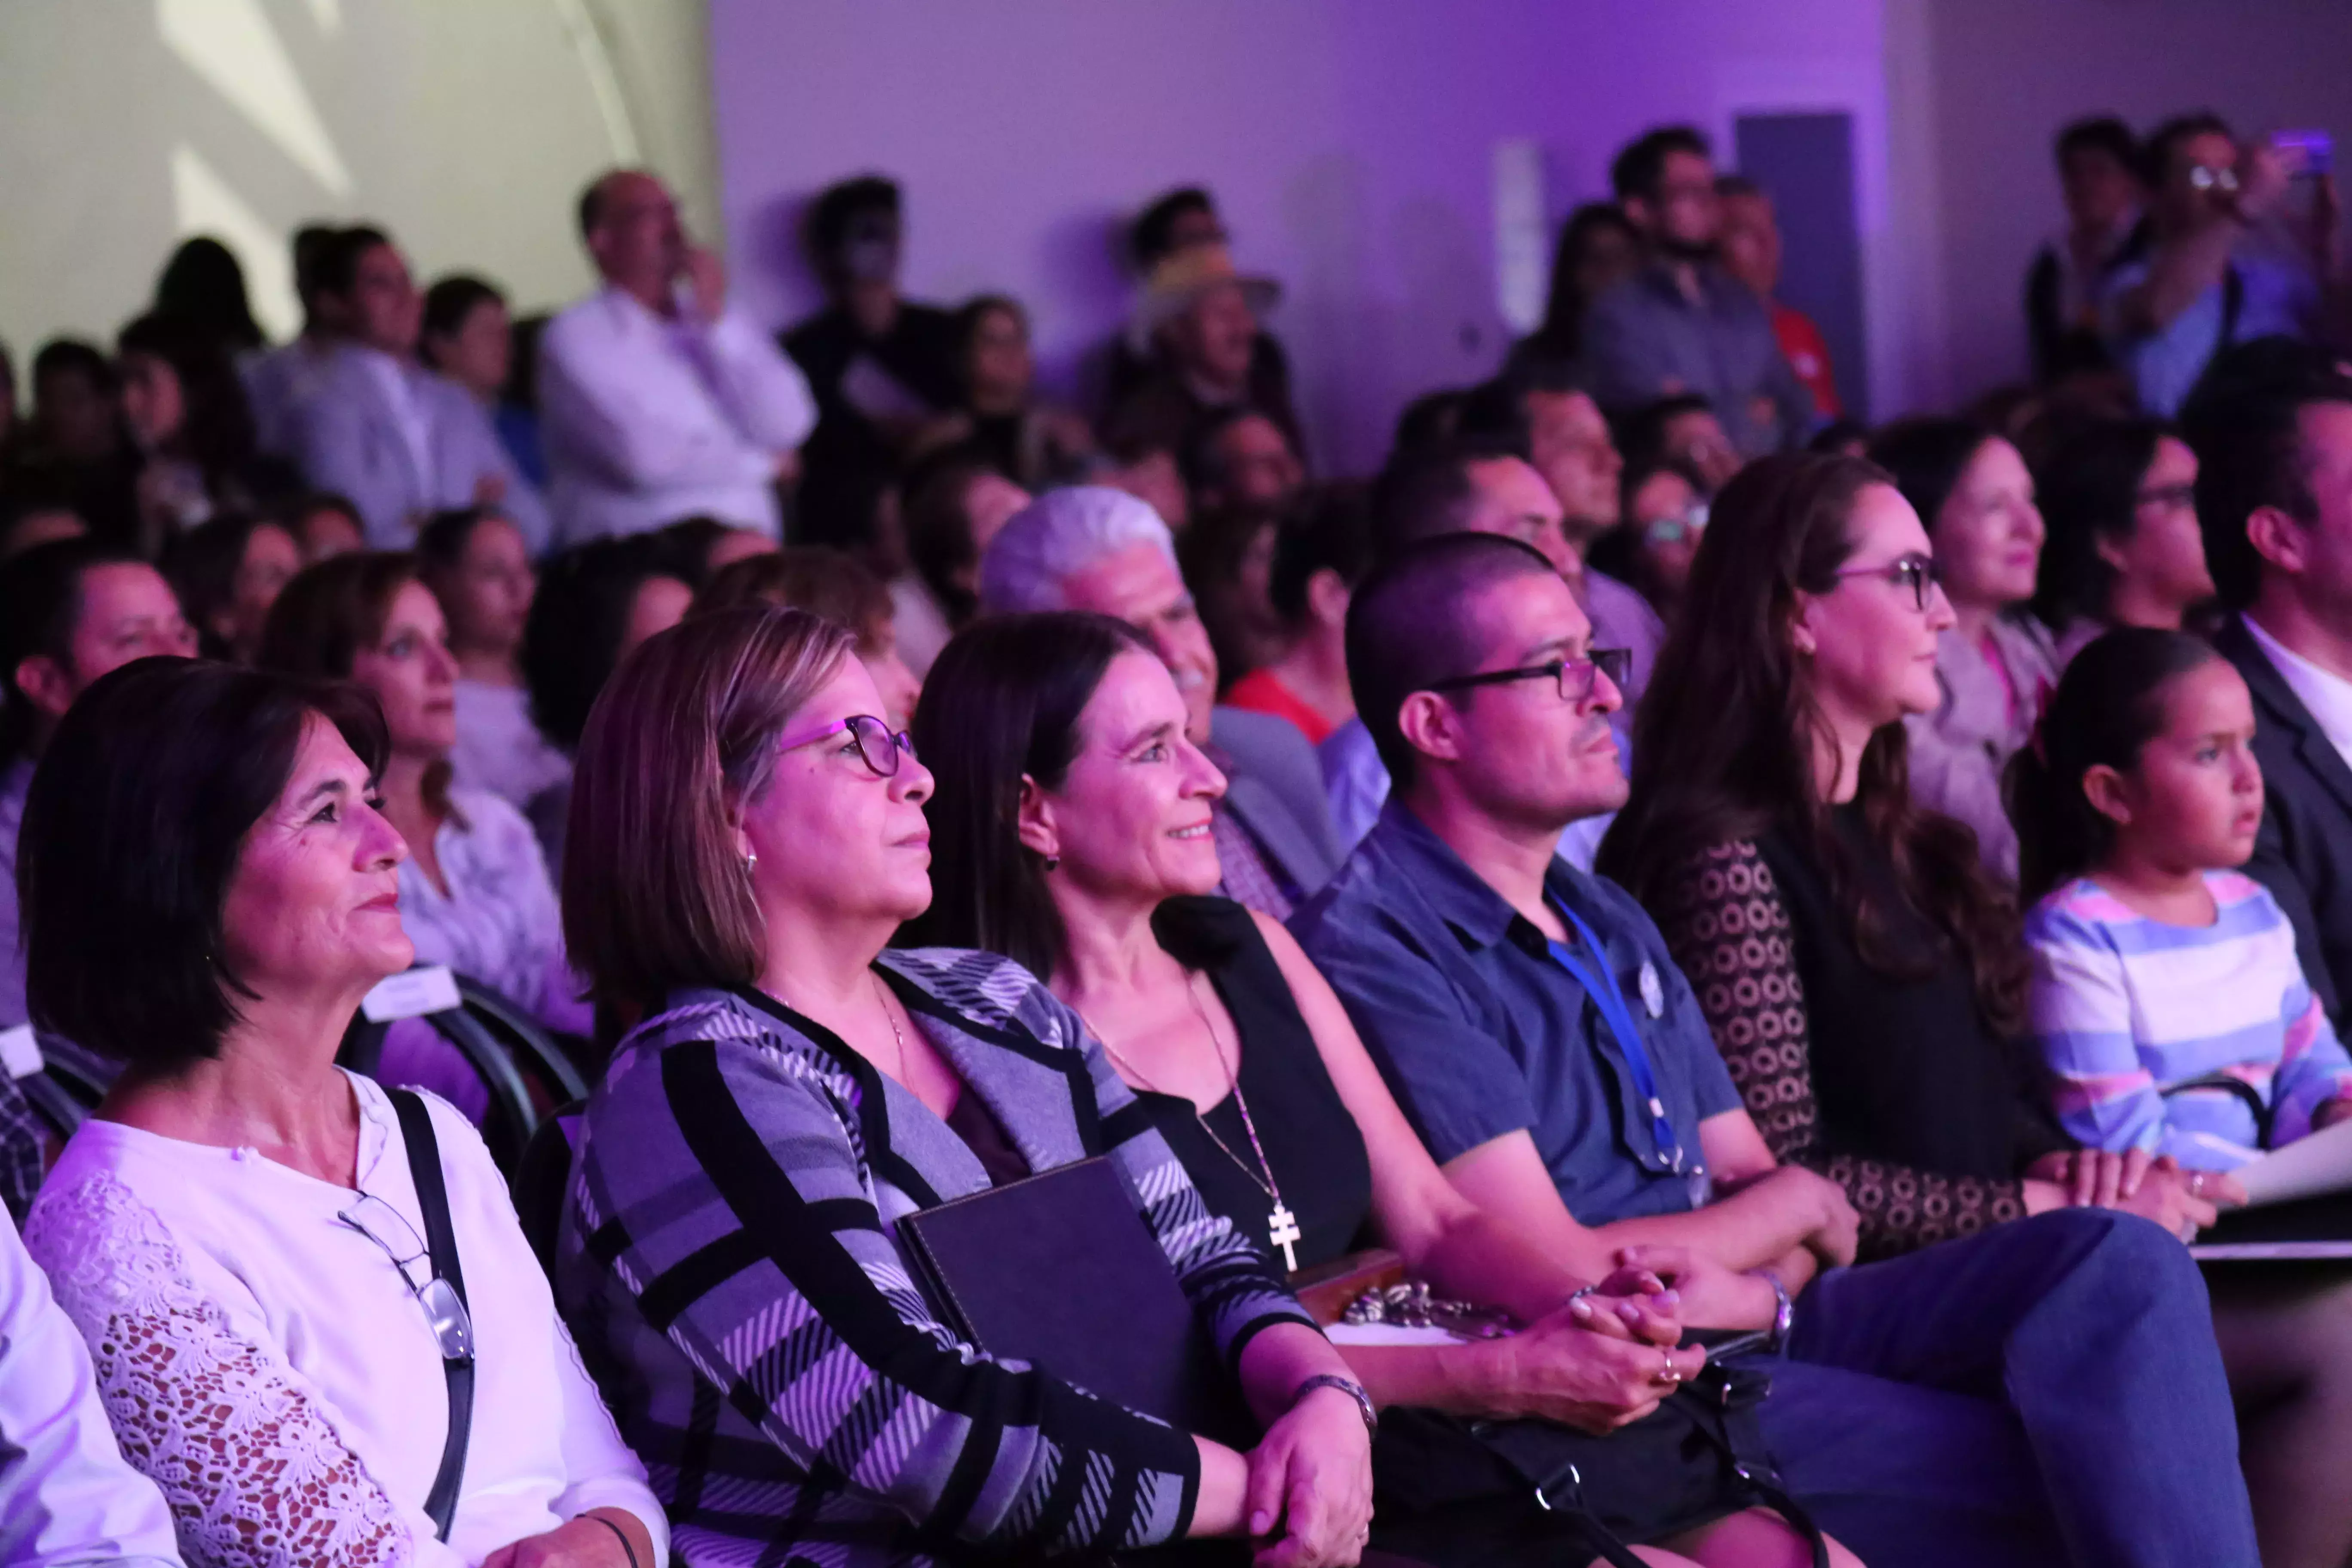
(879, 746)
(1916, 573)
(1674, 530)
(1577, 678)
(445, 1314)
(2172, 498)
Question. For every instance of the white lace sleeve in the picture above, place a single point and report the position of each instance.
(256, 1476)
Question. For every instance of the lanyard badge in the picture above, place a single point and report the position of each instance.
(1600, 981)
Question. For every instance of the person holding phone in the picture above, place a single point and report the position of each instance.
(657, 401)
(2202, 286)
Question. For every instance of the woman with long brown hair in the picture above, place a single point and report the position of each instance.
(1864, 976)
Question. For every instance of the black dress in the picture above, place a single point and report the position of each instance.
(1319, 1164)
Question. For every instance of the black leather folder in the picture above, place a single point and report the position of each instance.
(1060, 1270)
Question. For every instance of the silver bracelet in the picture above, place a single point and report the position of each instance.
(1347, 1385)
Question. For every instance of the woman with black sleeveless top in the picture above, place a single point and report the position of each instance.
(1070, 831)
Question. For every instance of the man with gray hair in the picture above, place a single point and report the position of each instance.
(1092, 548)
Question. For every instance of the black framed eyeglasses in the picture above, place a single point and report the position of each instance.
(1577, 678)
(1916, 573)
(445, 1314)
(878, 745)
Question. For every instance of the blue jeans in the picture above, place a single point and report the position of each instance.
(2074, 1349)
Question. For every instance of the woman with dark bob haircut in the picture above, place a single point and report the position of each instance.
(1072, 825)
(237, 1231)
(1865, 977)
(794, 1091)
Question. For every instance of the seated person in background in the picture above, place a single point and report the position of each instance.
(2274, 494)
(1665, 517)
(186, 413)
(955, 504)
(228, 572)
(1995, 663)
(794, 1090)
(279, 380)
(1683, 429)
(468, 338)
(323, 524)
(31, 515)
(2198, 286)
(1175, 221)
(595, 602)
(1866, 978)
(1478, 486)
(1681, 324)
(1506, 996)
(656, 401)
(1091, 548)
(1749, 244)
(1089, 873)
(378, 428)
(67, 1496)
(2098, 171)
(2166, 994)
(998, 415)
(2119, 499)
(1598, 249)
(1238, 457)
(1146, 468)
(235, 1230)
(881, 366)
(474, 890)
(834, 585)
(1199, 315)
(71, 611)
(1227, 560)
(1321, 549)
(75, 447)
(699, 548)
(476, 563)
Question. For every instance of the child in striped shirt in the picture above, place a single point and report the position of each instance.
(2165, 992)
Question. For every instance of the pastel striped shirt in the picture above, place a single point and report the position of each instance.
(2127, 1009)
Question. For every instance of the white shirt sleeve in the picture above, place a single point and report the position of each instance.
(255, 1473)
(66, 1495)
(765, 390)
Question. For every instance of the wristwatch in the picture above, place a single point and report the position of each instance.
(1784, 1313)
(1347, 1385)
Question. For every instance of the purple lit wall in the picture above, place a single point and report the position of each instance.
(1350, 142)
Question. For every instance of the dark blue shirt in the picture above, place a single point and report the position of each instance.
(1481, 1032)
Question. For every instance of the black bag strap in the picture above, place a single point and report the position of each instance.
(441, 1242)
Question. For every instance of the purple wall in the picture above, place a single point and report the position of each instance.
(1350, 142)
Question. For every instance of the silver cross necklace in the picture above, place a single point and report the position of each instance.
(1281, 1224)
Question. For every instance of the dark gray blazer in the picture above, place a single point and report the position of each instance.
(1276, 788)
(2304, 854)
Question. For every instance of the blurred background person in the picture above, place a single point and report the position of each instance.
(229, 573)
(478, 566)
(834, 585)
(998, 415)
(469, 337)
(955, 505)
(2119, 500)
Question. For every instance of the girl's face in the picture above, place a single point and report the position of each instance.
(1988, 533)
(2195, 795)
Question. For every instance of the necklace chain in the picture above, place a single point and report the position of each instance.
(897, 1036)
(1232, 1071)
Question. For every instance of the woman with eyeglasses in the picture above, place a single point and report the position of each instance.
(2119, 498)
(1995, 664)
(1069, 824)
(1865, 977)
(239, 1231)
(729, 1249)
(1666, 510)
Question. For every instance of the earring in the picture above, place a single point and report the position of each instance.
(750, 861)
(1052, 862)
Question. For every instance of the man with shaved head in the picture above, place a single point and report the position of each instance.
(657, 401)
(2043, 1382)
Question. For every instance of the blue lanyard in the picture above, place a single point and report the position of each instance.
(1610, 998)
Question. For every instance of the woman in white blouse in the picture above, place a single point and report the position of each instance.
(478, 566)
(475, 892)
(238, 1231)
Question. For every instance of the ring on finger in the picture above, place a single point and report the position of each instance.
(2197, 1184)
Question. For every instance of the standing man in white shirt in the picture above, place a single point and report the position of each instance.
(657, 402)
(400, 441)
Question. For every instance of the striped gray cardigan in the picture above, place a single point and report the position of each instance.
(727, 1265)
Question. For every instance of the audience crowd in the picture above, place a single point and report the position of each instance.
(1672, 977)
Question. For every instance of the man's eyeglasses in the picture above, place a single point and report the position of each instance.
(2205, 178)
(446, 1315)
(1916, 573)
(879, 746)
(1577, 678)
